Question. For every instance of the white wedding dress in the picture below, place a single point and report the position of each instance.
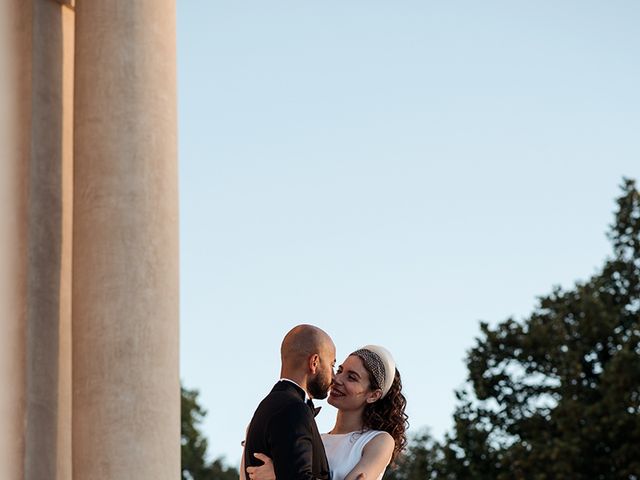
(344, 451)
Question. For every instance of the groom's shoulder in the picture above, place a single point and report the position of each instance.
(283, 401)
(282, 394)
(284, 391)
(286, 413)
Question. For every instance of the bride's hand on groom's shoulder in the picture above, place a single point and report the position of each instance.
(264, 471)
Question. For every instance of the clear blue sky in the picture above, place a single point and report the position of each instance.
(392, 172)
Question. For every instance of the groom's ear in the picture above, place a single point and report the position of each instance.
(314, 363)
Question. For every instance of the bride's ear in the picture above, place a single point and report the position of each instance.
(374, 396)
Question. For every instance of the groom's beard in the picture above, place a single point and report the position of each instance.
(318, 387)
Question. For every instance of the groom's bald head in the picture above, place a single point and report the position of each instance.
(302, 341)
(309, 350)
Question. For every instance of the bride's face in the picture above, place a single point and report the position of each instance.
(351, 387)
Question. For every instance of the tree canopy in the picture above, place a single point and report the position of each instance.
(556, 395)
(194, 445)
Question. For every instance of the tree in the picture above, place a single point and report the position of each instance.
(194, 444)
(557, 395)
(418, 462)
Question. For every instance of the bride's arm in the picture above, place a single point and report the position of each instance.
(241, 469)
(376, 455)
(243, 475)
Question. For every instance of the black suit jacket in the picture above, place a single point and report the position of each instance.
(284, 428)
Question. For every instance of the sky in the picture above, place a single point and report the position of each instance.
(394, 173)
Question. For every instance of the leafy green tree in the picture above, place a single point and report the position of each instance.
(418, 462)
(557, 396)
(194, 444)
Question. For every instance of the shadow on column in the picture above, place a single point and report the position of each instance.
(45, 213)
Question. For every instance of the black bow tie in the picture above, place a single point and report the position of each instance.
(314, 409)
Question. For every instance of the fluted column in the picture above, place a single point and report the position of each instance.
(15, 107)
(126, 396)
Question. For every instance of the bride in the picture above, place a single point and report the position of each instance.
(370, 427)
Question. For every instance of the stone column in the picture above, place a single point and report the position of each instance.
(35, 236)
(48, 426)
(15, 107)
(126, 395)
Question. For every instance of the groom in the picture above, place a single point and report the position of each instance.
(283, 427)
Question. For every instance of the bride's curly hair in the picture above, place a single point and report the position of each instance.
(387, 414)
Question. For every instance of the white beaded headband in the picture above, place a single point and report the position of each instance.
(380, 363)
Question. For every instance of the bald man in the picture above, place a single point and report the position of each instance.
(283, 427)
